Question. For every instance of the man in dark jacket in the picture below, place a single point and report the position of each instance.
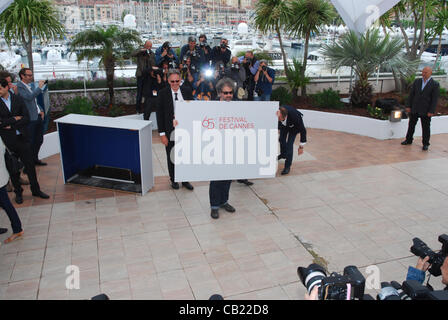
(14, 119)
(145, 61)
(422, 104)
(166, 106)
(290, 123)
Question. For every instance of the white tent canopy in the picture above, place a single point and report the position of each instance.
(4, 4)
(359, 15)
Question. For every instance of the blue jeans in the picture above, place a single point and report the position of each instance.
(6, 205)
(263, 97)
(219, 193)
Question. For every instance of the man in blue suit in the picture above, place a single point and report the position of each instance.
(290, 123)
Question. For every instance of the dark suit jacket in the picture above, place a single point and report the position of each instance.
(165, 108)
(18, 108)
(294, 123)
(422, 102)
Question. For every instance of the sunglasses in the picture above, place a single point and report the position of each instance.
(175, 81)
(28, 75)
(227, 92)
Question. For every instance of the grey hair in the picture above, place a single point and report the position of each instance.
(225, 82)
(173, 71)
(264, 60)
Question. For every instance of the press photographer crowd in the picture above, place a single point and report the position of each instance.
(351, 284)
(201, 67)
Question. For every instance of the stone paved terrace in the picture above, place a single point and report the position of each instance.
(350, 200)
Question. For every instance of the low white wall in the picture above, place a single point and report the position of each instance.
(378, 129)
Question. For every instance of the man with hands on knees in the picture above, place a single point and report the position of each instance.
(290, 123)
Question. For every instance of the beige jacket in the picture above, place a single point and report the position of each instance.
(4, 175)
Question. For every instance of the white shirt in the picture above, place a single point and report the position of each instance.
(179, 98)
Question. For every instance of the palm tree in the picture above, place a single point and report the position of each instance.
(112, 45)
(441, 22)
(365, 53)
(24, 20)
(273, 15)
(308, 17)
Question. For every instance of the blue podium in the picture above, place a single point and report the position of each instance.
(104, 152)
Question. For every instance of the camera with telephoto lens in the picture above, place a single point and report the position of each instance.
(202, 44)
(223, 46)
(409, 290)
(348, 286)
(436, 259)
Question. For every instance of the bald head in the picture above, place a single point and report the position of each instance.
(426, 73)
(148, 44)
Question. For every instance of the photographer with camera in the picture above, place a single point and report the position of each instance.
(150, 91)
(188, 72)
(205, 89)
(145, 61)
(192, 51)
(206, 51)
(264, 79)
(237, 74)
(436, 263)
(250, 65)
(221, 53)
(166, 53)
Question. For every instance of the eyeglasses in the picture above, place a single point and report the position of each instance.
(227, 92)
(28, 75)
(174, 81)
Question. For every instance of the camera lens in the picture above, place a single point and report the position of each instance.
(311, 276)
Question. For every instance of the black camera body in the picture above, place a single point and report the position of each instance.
(264, 68)
(235, 66)
(349, 286)
(420, 249)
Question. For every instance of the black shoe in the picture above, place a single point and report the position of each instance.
(3, 230)
(281, 157)
(214, 214)
(40, 163)
(40, 194)
(285, 170)
(425, 148)
(19, 199)
(228, 208)
(187, 185)
(175, 185)
(406, 142)
(246, 182)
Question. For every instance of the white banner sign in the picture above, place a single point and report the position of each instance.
(217, 140)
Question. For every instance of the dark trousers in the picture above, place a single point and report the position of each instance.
(168, 158)
(46, 122)
(287, 146)
(6, 205)
(219, 193)
(138, 101)
(426, 128)
(35, 129)
(22, 148)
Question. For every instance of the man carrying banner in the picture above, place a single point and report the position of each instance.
(166, 108)
(219, 190)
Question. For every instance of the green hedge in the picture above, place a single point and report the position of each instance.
(67, 84)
